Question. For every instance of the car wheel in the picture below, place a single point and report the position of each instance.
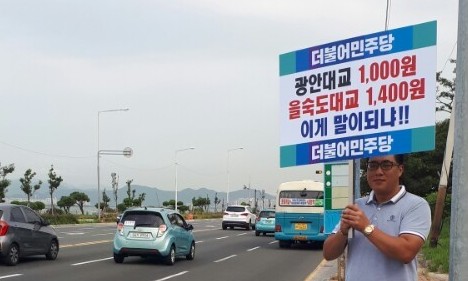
(224, 227)
(257, 233)
(191, 254)
(53, 250)
(248, 226)
(170, 259)
(12, 255)
(118, 258)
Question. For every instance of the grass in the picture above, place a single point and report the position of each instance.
(437, 259)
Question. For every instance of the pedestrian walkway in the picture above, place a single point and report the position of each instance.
(328, 270)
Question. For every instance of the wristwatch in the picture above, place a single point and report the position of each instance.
(368, 230)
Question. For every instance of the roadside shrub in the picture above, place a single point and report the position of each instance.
(431, 198)
(61, 219)
(437, 259)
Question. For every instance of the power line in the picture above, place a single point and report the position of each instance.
(43, 153)
(449, 57)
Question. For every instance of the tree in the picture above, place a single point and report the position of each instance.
(129, 200)
(131, 194)
(121, 207)
(26, 185)
(201, 203)
(182, 208)
(446, 91)
(207, 203)
(216, 201)
(105, 201)
(4, 183)
(115, 186)
(80, 198)
(65, 203)
(139, 201)
(54, 183)
(37, 206)
(171, 204)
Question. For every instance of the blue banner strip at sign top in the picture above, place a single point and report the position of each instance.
(421, 139)
(404, 39)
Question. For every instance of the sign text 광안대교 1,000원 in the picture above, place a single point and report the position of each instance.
(359, 97)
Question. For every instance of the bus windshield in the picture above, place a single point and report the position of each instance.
(301, 198)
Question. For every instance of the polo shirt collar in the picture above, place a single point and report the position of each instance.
(394, 199)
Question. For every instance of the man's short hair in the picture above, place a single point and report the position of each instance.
(400, 158)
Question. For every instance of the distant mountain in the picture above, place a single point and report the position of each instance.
(154, 196)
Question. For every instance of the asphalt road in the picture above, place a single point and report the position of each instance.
(86, 255)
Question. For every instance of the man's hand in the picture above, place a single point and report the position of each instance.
(353, 217)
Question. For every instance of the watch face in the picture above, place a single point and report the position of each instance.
(368, 230)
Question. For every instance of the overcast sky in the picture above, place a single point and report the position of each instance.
(193, 73)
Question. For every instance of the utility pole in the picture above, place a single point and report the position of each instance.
(442, 190)
(458, 261)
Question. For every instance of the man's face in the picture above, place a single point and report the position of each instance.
(383, 173)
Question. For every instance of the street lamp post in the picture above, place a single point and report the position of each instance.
(227, 171)
(99, 155)
(127, 152)
(255, 195)
(176, 164)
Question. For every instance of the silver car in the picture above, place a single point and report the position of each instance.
(24, 233)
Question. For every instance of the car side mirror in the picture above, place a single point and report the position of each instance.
(44, 222)
(189, 227)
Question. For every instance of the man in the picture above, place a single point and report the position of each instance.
(390, 226)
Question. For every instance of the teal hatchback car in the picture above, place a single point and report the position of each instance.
(153, 232)
(265, 222)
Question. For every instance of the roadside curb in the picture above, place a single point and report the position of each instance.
(324, 271)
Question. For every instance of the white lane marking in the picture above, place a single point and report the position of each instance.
(242, 234)
(171, 276)
(86, 262)
(223, 237)
(254, 248)
(85, 243)
(9, 276)
(203, 230)
(196, 242)
(102, 234)
(273, 242)
(226, 258)
(73, 233)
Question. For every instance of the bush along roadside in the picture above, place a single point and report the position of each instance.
(437, 259)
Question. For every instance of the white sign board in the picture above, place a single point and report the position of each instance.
(359, 97)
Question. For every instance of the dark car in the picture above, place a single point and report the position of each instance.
(25, 233)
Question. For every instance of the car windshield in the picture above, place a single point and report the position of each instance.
(142, 219)
(235, 209)
(267, 214)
